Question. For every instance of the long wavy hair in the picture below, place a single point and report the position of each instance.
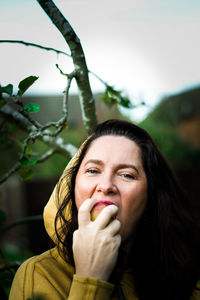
(165, 253)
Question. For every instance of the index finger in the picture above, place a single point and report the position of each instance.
(106, 215)
(84, 211)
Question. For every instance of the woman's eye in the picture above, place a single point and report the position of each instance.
(92, 171)
(127, 176)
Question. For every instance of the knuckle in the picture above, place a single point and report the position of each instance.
(107, 240)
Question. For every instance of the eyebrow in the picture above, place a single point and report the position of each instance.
(120, 166)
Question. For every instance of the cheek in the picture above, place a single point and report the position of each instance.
(135, 198)
(78, 195)
(132, 207)
(82, 191)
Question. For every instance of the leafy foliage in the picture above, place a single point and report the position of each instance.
(8, 89)
(26, 162)
(162, 130)
(112, 97)
(25, 84)
(31, 108)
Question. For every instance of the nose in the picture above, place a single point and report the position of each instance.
(106, 186)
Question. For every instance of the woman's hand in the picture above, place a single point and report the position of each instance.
(96, 244)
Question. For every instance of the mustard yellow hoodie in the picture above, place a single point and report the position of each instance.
(49, 277)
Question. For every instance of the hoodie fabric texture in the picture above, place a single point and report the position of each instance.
(49, 277)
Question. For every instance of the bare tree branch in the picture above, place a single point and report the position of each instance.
(50, 49)
(46, 155)
(10, 265)
(62, 122)
(35, 45)
(14, 169)
(13, 115)
(37, 131)
(21, 221)
(54, 142)
(85, 94)
(17, 165)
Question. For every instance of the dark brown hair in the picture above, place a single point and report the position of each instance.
(165, 255)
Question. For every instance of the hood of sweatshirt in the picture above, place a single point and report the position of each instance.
(56, 199)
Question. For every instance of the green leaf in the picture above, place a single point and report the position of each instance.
(26, 173)
(2, 216)
(2, 102)
(125, 102)
(31, 108)
(25, 162)
(33, 161)
(8, 89)
(28, 150)
(25, 84)
(108, 99)
(112, 96)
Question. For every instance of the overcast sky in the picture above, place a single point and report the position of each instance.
(148, 48)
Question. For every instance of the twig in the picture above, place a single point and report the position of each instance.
(99, 78)
(35, 45)
(17, 166)
(57, 143)
(34, 122)
(46, 155)
(51, 49)
(10, 265)
(60, 124)
(66, 93)
(14, 169)
(21, 222)
(10, 112)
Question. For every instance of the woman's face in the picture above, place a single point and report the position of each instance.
(112, 171)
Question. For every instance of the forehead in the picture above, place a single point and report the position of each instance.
(112, 148)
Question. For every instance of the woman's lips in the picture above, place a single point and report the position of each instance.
(98, 208)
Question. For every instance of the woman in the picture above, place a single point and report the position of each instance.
(122, 226)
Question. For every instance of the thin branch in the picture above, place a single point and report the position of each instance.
(34, 122)
(60, 124)
(17, 166)
(10, 265)
(99, 78)
(13, 114)
(21, 221)
(46, 155)
(66, 93)
(50, 49)
(35, 45)
(61, 147)
(14, 169)
(85, 94)
(51, 139)
(55, 142)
